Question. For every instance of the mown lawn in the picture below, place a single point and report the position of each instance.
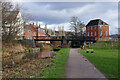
(58, 66)
(106, 60)
(104, 45)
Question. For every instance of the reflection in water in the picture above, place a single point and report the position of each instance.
(41, 54)
(45, 54)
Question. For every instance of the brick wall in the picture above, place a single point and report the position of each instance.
(30, 31)
(101, 32)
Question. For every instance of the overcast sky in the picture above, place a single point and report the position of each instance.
(59, 13)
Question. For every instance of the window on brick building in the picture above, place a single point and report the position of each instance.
(88, 27)
(88, 33)
(95, 33)
(106, 33)
(91, 27)
(100, 33)
(94, 27)
(91, 33)
(100, 26)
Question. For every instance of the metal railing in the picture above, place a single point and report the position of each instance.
(65, 37)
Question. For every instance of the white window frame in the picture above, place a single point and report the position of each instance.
(100, 26)
(91, 33)
(88, 33)
(95, 33)
(100, 33)
(106, 33)
(91, 27)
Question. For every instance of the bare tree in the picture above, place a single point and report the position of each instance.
(7, 22)
(77, 26)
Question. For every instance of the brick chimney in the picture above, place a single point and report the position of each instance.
(39, 25)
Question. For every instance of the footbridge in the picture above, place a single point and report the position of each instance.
(64, 38)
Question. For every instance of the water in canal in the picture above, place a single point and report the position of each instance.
(40, 54)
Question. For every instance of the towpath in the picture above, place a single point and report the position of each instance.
(79, 67)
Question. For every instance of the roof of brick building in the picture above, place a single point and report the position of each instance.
(96, 22)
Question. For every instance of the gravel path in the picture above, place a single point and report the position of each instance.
(80, 67)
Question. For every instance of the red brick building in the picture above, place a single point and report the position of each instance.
(33, 30)
(98, 29)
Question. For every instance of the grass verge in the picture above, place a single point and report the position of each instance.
(104, 45)
(58, 66)
(106, 60)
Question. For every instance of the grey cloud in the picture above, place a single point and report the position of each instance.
(60, 12)
(63, 5)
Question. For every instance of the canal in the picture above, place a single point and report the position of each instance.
(40, 54)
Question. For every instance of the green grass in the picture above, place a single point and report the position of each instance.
(57, 48)
(104, 45)
(58, 66)
(106, 60)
